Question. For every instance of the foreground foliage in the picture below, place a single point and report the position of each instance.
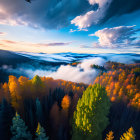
(40, 133)
(129, 135)
(19, 130)
(91, 113)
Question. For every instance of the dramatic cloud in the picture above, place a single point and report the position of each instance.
(41, 13)
(121, 7)
(92, 17)
(106, 10)
(58, 13)
(122, 36)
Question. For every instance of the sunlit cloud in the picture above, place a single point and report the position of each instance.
(117, 37)
(92, 17)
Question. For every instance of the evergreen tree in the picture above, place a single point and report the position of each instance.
(40, 133)
(39, 112)
(6, 114)
(19, 130)
(109, 136)
(129, 135)
(90, 117)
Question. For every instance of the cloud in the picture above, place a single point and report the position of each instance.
(54, 65)
(55, 14)
(2, 33)
(51, 44)
(78, 30)
(106, 10)
(92, 17)
(81, 73)
(121, 36)
(10, 42)
(52, 14)
(91, 35)
(121, 7)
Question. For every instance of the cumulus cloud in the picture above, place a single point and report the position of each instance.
(122, 36)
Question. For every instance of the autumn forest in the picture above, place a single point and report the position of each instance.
(46, 109)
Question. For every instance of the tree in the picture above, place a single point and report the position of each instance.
(36, 81)
(19, 130)
(65, 102)
(6, 91)
(40, 133)
(55, 116)
(129, 135)
(109, 136)
(14, 91)
(37, 86)
(39, 112)
(6, 114)
(90, 117)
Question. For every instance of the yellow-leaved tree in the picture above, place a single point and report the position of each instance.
(129, 135)
(109, 136)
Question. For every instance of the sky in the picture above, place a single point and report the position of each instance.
(80, 26)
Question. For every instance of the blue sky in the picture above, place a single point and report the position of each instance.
(87, 26)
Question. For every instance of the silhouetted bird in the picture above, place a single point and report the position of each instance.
(28, 1)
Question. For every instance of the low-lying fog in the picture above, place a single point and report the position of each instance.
(55, 65)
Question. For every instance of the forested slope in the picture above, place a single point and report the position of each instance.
(58, 109)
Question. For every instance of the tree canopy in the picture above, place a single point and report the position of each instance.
(129, 135)
(90, 117)
(19, 130)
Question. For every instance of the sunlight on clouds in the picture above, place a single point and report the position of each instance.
(92, 17)
(5, 18)
(33, 47)
(122, 36)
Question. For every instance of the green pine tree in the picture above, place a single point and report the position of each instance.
(90, 117)
(19, 130)
(129, 135)
(39, 112)
(40, 133)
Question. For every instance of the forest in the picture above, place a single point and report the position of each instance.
(46, 109)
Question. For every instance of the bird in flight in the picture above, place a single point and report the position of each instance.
(28, 1)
